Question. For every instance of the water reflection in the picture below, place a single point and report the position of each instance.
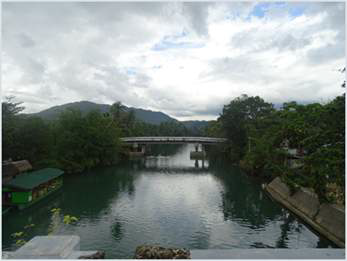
(97, 191)
(243, 199)
(117, 230)
(167, 200)
(286, 227)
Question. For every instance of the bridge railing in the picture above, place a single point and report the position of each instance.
(173, 139)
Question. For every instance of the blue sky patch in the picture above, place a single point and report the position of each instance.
(130, 71)
(296, 11)
(176, 41)
(260, 9)
(165, 45)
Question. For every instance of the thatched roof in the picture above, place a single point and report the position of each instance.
(22, 165)
(13, 168)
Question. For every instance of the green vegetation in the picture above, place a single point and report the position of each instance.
(304, 144)
(19, 236)
(58, 221)
(76, 140)
(73, 142)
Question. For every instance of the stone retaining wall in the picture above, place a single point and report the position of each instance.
(327, 219)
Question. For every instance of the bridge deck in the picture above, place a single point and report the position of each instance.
(176, 140)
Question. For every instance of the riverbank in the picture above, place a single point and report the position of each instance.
(167, 200)
(327, 219)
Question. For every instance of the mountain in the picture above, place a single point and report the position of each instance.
(148, 116)
(195, 127)
(153, 117)
(195, 124)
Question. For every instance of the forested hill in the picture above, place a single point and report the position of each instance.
(195, 125)
(148, 116)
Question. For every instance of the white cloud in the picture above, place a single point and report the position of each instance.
(185, 59)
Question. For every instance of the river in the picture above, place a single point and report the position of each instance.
(168, 200)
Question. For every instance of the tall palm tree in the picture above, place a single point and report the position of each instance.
(116, 110)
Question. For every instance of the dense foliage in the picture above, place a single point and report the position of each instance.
(266, 142)
(75, 140)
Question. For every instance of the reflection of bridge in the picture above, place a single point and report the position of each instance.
(139, 143)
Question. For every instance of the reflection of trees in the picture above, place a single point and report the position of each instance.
(174, 170)
(90, 193)
(260, 245)
(324, 243)
(243, 197)
(82, 195)
(117, 230)
(200, 240)
(291, 224)
(37, 214)
(288, 225)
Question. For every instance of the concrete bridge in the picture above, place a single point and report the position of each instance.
(172, 140)
(139, 143)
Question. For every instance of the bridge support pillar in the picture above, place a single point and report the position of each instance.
(198, 154)
(137, 150)
(197, 146)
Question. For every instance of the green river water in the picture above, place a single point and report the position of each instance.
(168, 200)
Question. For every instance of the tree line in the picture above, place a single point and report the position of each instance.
(74, 142)
(259, 137)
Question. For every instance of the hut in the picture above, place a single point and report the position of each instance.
(10, 169)
(29, 188)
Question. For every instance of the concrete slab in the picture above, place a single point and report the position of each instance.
(47, 247)
(306, 201)
(332, 218)
(6, 255)
(266, 253)
(279, 187)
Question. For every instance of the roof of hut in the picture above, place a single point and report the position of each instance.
(33, 179)
(22, 165)
(12, 168)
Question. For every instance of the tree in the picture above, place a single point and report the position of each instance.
(10, 119)
(239, 118)
(130, 122)
(85, 142)
(117, 110)
(34, 140)
(214, 129)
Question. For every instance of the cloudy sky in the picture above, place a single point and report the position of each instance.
(185, 59)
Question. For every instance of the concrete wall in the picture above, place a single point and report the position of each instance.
(327, 219)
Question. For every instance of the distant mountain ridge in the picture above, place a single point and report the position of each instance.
(148, 116)
(195, 125)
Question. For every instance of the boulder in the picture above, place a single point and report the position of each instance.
(157, 252)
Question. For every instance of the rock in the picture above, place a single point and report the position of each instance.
(97, 255)
(157, 252)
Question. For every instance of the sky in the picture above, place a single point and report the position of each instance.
(186, 59)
